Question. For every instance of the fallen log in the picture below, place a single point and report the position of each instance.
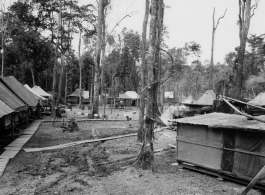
(82, 142)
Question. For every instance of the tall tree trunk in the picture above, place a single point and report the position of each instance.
(140, 134)
(32, 74)
(66, 83)
(146, 156)
(244, 22)
(92, 86)
(212, 49)
(3, 41)
(97, 56)
(80, 70)
(60, 82)
(55, 61)
(102, 84)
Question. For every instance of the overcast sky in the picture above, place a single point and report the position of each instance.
(191, 20)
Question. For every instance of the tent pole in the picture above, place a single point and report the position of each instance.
(12, 125)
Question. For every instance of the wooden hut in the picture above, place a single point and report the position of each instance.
(225, 145)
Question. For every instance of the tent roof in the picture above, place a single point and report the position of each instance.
(40, 91)
(16, 87)
(224, 121)
(28, 87)
(9, 98)
(124, 96)
(76, 93)
(132, 94)
(259, 100)
(4, 109)
(207, 99)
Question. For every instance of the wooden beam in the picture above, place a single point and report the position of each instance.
(254, 181)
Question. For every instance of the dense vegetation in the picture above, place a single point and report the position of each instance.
(30, 39)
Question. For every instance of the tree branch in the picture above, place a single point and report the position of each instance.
(220, 19)
(118, 23)
(254, 7)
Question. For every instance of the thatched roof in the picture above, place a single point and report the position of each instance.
(259, 100)
(4, 109)
(9, 98)
(17, 88)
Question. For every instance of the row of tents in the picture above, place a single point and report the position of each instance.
(18, 103)
(130, 97)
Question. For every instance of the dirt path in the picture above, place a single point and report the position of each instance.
(96, 168)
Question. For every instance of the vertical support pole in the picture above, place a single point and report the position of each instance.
(27, 117)
(3, 40)
(12, 125)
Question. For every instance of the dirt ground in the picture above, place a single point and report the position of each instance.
(103, 168)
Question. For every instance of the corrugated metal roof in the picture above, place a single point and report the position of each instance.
(24, 94)
(221, 120)
(4, 109)
(11, 99)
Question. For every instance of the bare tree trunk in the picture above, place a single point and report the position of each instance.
(146, 157)
(66, 84)
(212, 49)
(92, 86)
(103, 63)
(80, 70)
(55, 61)
(60, 82)
(97, 56)
(244, 22)
(32, 74)
(3, 41)
(140, 135)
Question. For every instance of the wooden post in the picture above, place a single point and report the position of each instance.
(254, 181)
(27, 117)
(12, 125)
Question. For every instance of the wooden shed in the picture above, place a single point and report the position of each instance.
(225, 145)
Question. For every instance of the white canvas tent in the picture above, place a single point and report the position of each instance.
(132, 95)
(41, 92)
(28, 87)
(259, 100)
